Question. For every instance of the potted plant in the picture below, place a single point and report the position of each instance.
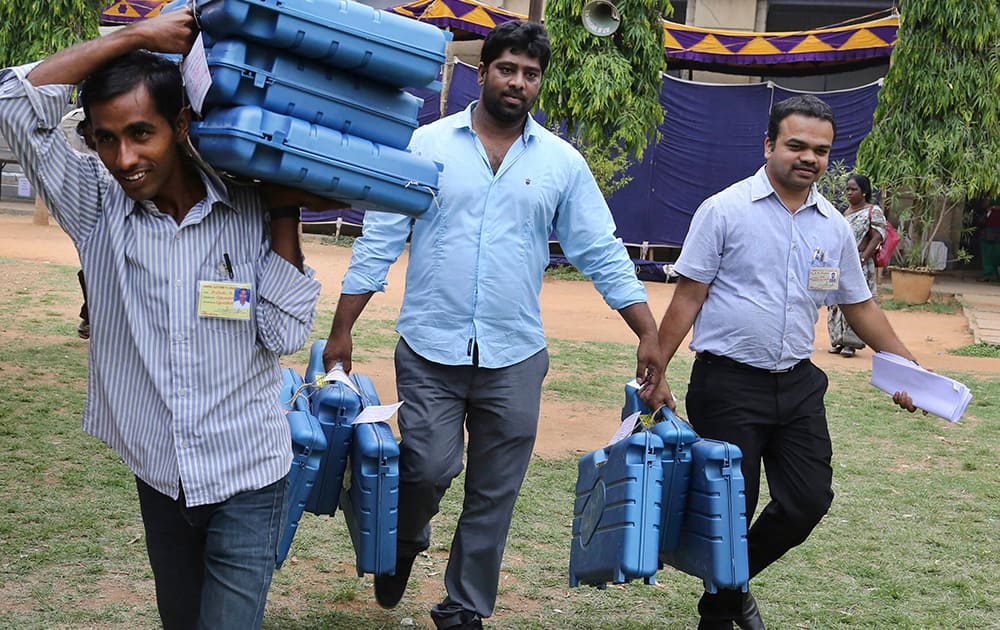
(933, 142)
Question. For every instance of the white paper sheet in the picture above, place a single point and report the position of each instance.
(377, 413)
(338, 375)
(197, 78)
(937, 394)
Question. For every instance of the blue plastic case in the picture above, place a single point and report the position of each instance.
(371, 505)
(248, 141)
(384, 46)
(616, 515)
(713, 537)
(308, 447)
(335, 407)
(250, 74)
(677, 436)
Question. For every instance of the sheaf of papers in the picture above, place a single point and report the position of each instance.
(937, 394)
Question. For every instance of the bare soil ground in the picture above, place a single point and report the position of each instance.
(571, 310)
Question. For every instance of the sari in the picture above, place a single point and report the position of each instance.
(841, 335)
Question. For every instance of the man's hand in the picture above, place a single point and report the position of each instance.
(173, 32)
(658, 397)
(338, 348)
(903, 400)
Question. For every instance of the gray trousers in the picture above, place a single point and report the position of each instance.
(499, 409)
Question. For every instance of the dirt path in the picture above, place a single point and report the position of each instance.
(571, 310)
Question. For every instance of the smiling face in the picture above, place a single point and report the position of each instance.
(510, 86)
(799, 155)
(139, 146)
(243, 296)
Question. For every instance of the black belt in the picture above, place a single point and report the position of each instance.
(710, 358)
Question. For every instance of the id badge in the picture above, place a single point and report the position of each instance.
(224, 300)
(824, 278)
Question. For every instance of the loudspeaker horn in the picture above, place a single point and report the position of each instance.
(601, 17)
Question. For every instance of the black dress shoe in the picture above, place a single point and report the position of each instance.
(389, 589)
(749, 618)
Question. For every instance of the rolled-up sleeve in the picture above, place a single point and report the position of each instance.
(70, 183)
(287, 304)
(382, 241)
(586, 232)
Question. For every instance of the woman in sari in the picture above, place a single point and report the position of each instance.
(868, 222)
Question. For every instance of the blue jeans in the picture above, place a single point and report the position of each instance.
(212, 564)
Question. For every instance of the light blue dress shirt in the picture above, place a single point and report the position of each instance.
(757, 256)
(477, 258)
(179, 397)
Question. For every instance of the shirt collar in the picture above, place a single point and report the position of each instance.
(760, 187)
(464, 121)
(217, 193)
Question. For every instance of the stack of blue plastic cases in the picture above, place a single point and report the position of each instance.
(703, 506)
(370, 503)
(307, 93)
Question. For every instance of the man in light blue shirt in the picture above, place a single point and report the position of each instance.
(759, 260)
(472, 350)
(182, 386)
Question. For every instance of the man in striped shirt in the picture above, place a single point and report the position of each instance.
(185, 393)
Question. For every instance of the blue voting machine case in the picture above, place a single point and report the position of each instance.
(308, 447)
(245, 73)
(677, 436)
(386, 47)
(371, 504)
(251, 142)
(713, 536)
(335, 407)
(616, 515)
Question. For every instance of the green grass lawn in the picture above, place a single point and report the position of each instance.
(912, 540)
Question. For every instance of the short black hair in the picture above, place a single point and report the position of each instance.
(804, 104)
(520, 36)
(122, 74)
(863, 183)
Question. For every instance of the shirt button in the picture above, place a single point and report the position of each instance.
(182, 392)
(178, 283)
(178, 337)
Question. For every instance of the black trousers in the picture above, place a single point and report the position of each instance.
(777, 419)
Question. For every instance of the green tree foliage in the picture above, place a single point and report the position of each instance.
(607, 89)
(935, 136)
(32, 30)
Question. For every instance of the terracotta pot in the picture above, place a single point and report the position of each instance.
(912, 286)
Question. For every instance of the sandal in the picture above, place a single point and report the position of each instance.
(847, 352)
(835, 349)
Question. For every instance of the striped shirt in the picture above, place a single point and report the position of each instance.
(181, 398)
